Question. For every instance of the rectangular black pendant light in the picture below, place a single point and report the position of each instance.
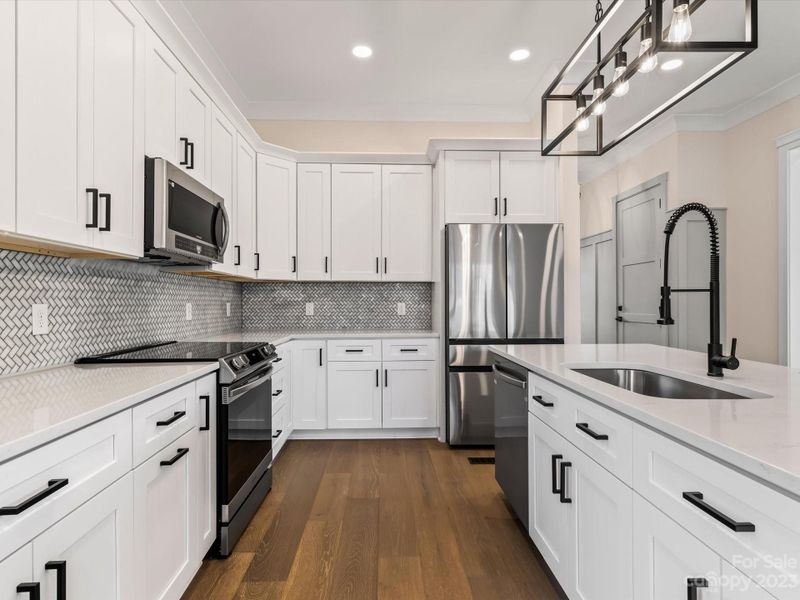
(666, 40)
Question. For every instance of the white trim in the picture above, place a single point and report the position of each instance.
(788, 252)
(437, 145)
(365, 434)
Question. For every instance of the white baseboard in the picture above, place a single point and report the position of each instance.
(365, 434)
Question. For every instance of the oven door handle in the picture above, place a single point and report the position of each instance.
(237, 392)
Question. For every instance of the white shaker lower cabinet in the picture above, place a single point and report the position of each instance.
(91, 550)
(166, 559)
(354, 395)
(16, 575)
(309, 394)
(205, 483)
(409, 394)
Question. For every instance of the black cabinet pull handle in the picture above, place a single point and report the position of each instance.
(320, 357)
(553, 464)
(386, 378)
(185, 160)
(696, 499)
(409, 349)
(505, 207)
(93, 223)
(562, 492)
(377, 378)
(496, 211)
(238, 260)
(175, 416)
(207, 426)
(326, 264)
(60, 567)
(52, 487)
(107, 226)
(693, 584)
(32, 589)
(385, 265)
(349, 350)
(294, 264)
(584, 427)
(179, 455)
(277, 434)
(191, 155)
(277, 393)
(258, 261)
(377, 264)
(279, 359)
(543, 402)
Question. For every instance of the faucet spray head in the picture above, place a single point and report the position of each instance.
(665, 308)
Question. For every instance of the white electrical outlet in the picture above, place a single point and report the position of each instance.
(309, 309)
(227, 309)
(401, 309)
(41, 324)
(188, 311)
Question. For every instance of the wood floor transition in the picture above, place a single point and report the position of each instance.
(387, 519)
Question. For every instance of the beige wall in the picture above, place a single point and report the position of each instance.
(378, 136)
(736, 169)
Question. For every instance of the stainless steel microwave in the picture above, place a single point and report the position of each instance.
(184, 221)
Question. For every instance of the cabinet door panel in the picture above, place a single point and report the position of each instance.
(223, 168)
(96, 542)
(7, 117)
(245, 208)
(472, 187)
(314, 222)
(309, 392)
(276, 233)
(527, 188)
(354, 395)
(206, 479)
(406, 214)
(163, 73)
(408, 394)
(48, 100)
(356, 222)
(14, 570)
(194, 124)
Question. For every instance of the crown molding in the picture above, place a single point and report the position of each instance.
(437, 145)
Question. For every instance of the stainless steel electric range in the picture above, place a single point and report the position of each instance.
(244, 421)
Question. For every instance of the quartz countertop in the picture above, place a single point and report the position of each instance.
(281, 336)
(758, 436)
(41, 406)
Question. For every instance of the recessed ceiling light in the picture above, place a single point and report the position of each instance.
(671, 65)
(362, 51)
(519, 54)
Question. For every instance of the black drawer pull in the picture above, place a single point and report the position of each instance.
(179, 455)
(52, 487)
(32, 589)
(409, 349)
(277, 434)
(277, 393)
(553, 463)
(543, 402)
(60, 567)
(279, 359)
(584, 427)
(696, 499)
(693, 584)
(176, 416)
(207, 426)
(562, 492)
(349, 350)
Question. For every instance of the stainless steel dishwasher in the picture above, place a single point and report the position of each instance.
(511, 434)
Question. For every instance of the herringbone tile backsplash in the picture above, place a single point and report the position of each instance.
(97, 306)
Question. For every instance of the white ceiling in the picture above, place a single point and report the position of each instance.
(434, 60)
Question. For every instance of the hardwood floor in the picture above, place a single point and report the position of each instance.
(382, 519)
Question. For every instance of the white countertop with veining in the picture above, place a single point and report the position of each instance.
(758, 436)
(40, 406)
(281, 336)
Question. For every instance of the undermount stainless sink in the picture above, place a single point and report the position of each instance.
(650, 383)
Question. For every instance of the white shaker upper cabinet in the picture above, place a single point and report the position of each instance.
(223, 168)
(7, 150)
(356, 222)
(194, 129)
(51, 206)
(245, 247)
(472, 187)
(276, 184)
(313, 222)
(528, 188)
(163, 74)
(406, 213)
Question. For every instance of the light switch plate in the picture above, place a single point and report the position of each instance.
(309, 309)
(188, 311)
(40, 321)
(227, 309)
(401, 309)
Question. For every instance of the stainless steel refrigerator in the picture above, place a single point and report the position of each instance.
(505, 285)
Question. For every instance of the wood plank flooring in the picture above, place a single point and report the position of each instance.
(379, 519)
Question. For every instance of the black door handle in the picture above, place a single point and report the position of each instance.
(207, 426)
(495, 207)
(584, 427)
(277, 434)
(326, 264)
(32, 589)
(553, 463)
(60, 567)
(385, 265)
(52, 487)
(505, 207)
(386, 378)
(693, 584)
(93, 223)
(178, 455)
(238, 260)
(320, 357)
(277, 393)
(377, 378)
(696, 499)
(294, 264)
(562, 492)
(191, 155)
(175, 416)
(543, 402)
(377, 264)
(258, 261)
(107, 226)
(185, 160)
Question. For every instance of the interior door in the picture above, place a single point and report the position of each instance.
(7, 116)
(223, 167)
(354, 395)
(527, 188)
(276, 182)
(472, 187)
(640, 243)
(313, 222)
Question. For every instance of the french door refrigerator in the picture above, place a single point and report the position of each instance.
(505, 285)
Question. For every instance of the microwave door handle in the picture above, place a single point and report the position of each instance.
(226, 228)
(237, 392)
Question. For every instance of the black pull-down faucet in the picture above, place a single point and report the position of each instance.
(717, 361)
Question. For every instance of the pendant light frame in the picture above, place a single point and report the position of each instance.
(653, 14)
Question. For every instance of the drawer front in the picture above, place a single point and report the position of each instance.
(355, 350)
(284, 353)
(88, 460)
(409, 349)
(162, 420)
(280, 390)
(550, 402)
(279, 431)
(663, 471)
